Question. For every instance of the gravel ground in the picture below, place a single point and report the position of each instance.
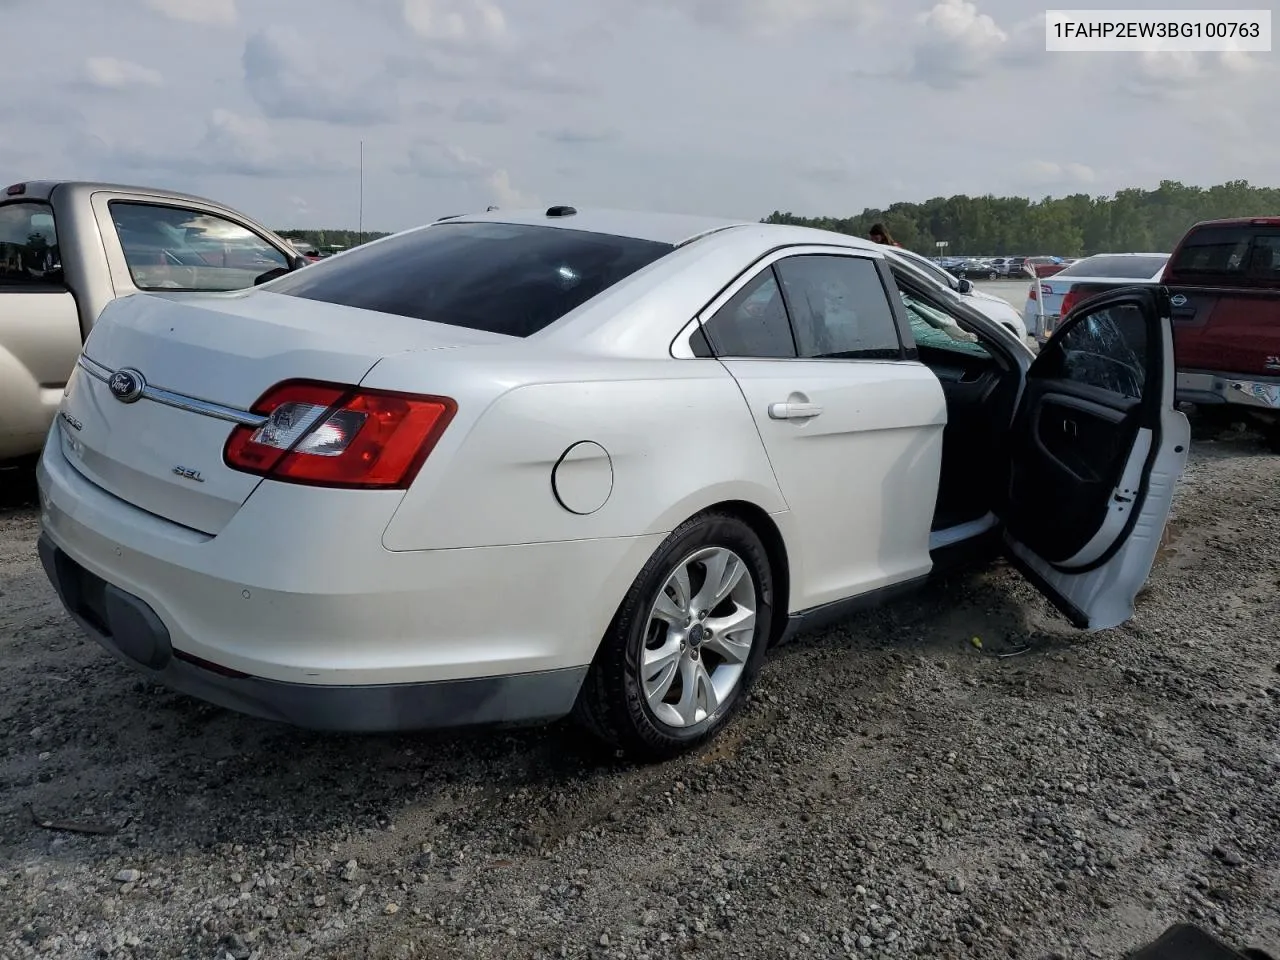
(890, 789)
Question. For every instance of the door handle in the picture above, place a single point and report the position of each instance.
(793, 411)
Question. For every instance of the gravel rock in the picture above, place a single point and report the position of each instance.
(888, 791)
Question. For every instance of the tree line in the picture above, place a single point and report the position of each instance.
(1133, 220)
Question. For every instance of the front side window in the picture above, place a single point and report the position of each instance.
(753, 323)
(29, 255)
(173, 248)
(839, 308)
(1106, 349)
(513, 279)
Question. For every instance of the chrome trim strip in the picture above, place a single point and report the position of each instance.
(180, 401)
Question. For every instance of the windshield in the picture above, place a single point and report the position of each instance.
(1116, 267)
(505, 278)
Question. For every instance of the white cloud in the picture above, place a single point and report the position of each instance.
(434, 159)
(112, 74)
(1046, 172)
(455, 21)
(776, 16)
(288, 80)
(1179, 74)
(222, 12)
(958, 43)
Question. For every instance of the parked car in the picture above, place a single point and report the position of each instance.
(997, 308)
(1225, 277)
(1045, 298)
(1043, 266)
(67, 249)
(1013, 267)
(516, 465)
(976, 269)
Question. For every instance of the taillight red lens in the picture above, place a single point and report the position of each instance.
(1069, 300)
(1033, 290)
(330, 435)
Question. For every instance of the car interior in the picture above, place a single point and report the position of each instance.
(980, 382)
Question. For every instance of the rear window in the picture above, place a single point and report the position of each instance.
(512, 279)
(1231, 253)
(1122, 268)
(29, 254)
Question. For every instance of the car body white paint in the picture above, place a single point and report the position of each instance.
(480, 569)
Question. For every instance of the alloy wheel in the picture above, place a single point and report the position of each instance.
(699, 636)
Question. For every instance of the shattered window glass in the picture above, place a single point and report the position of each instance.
(1107, 349)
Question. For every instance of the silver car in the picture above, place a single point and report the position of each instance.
(68, 249)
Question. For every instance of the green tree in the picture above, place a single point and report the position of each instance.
(1131, 220)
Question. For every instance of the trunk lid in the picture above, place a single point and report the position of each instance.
(221, 350)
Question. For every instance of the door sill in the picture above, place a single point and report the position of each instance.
(815, 618)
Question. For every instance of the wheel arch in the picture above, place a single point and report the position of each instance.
(775, 547)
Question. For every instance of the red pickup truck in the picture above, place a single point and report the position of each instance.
(1224, 287)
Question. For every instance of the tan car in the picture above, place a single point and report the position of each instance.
(68, 249)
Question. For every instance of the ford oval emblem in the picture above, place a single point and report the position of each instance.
(126, 385)
(1178, 300)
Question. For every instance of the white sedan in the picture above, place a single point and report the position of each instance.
(514, 466)
(1045, 297)
(997, 308)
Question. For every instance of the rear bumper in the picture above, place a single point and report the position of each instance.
(288, 616)
(127, 627)
(1207, 388)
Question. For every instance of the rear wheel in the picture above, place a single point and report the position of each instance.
(686, 643)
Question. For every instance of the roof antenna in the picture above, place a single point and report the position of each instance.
(490, 208)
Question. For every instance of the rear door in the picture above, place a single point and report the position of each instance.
(852, 428)
(39, 325)
(1096, 450)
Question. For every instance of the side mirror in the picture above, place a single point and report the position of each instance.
(297, 262)
(965, 285)
(272, 274)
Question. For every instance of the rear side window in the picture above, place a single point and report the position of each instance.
(753, 323)
(1229, 254)
(513, 279)
(29, 256)
(839, 308)
(1117, 268)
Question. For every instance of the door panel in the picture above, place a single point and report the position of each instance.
(860, 477)
(1096, 448)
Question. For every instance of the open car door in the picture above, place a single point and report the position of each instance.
(1095, 451)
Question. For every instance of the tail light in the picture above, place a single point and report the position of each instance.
(1069, 300)
(1032, 291)
(330, 435)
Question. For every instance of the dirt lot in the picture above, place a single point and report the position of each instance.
(891, 789)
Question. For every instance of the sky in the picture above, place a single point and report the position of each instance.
(727, 108)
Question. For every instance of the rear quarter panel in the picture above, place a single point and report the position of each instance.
(677, 437)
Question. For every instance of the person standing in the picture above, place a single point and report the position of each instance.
(878, 234)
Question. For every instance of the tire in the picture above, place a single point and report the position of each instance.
(613, 704)
(992, 275)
